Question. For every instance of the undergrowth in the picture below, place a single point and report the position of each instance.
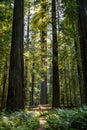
(19, 121)
(57, 119)
(67, 119)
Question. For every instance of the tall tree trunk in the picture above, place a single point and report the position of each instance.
(4, 93)
(16, 91)
(74, 87)
(56, 87)
(79, 68)
(26, 59)
(43, 96)
(26, 79)
(33, 84)
(32, 89)
(70, 85)
(82, 23)
(66, 85)
(62, 101)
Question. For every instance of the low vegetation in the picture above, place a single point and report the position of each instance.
(57, 119)
(64, 119)
(19, 121)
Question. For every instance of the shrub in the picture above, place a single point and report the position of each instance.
(74, 119)
(19, 121)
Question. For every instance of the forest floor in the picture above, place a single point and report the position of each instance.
(42, 121)
(41, 108)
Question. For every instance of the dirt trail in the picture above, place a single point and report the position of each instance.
(41, 128)
(42, 121)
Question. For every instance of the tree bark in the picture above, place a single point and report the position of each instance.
(56, 86)
(43, 95)
(26, 59)
(4, 93)
(33, 84)
(82, 23)
(26, 79)
(16, 91)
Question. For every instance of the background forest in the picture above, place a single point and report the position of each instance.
(39, 79)
(43, 64)
(51, 67)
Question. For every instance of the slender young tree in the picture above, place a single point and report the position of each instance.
(56, 87)
(32, 83)
(16, 92)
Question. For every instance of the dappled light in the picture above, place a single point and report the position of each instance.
(43, 64)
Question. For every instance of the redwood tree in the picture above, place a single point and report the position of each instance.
(16, 92)
(44, 96)
(56, 87)
(43, 34)
(82, 23)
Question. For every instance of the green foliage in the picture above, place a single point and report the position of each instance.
(64, 119)
(40, 20)
(43, 113)
(19, 121)
(5, 30)
(6, 12)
